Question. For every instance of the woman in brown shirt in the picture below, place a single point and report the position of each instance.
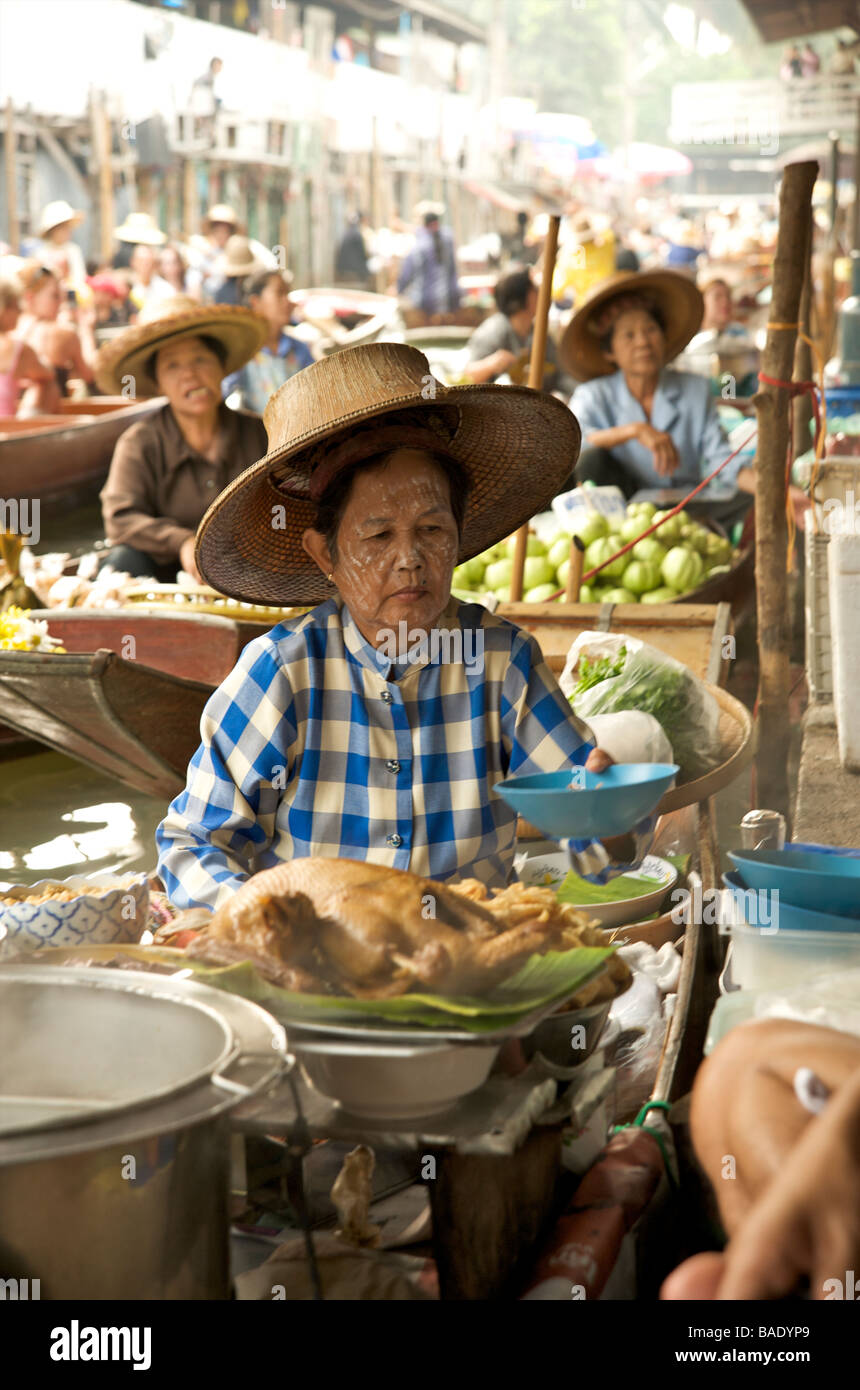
(167, 469)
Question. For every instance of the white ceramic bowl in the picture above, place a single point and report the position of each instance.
(386, 1081)
(549, 870)
(87, 920)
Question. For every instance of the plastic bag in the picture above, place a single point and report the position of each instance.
(635, 676)
(631, 737)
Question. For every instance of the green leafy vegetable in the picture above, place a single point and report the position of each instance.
(593, 672)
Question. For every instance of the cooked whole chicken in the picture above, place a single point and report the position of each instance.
(343, 926)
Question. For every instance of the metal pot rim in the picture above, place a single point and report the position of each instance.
(260, 1054)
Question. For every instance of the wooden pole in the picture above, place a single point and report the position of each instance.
(10, 144)
(856, 237)
(772, 406)
(189, 198)
(803, 363)
(539, 333)
(101, 145)
(574, 574)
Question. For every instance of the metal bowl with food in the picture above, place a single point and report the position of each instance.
(392, 1081)
(99, 909)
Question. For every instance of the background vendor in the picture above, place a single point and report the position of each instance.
(644, 425)
(501, 344)
(167, 468)
(353, 731)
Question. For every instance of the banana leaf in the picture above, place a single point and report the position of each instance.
(540, 981)
(581, 893)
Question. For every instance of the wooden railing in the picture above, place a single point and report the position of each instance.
(759, 114)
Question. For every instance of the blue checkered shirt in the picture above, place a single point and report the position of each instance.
(314, 746)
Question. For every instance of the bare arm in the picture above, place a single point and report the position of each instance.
(486, 367)
(786, 1181)
(32, 368)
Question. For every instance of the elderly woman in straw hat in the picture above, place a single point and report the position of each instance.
(167, 469)
(376, 725)
(644, 425)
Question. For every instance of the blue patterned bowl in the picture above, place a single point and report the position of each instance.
(92, 918)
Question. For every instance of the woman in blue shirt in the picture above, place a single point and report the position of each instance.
(644, 425)
(281, 356)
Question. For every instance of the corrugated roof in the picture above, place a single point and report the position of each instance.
(777, 20)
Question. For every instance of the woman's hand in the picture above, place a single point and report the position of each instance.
(186, 559)
(598, 760)
(662, 446)
(620, 848)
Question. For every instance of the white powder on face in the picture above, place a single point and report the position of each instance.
(397, 531)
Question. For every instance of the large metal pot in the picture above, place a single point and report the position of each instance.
(115, 1091)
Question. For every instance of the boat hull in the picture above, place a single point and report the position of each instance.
(127, 695)
(60, 458)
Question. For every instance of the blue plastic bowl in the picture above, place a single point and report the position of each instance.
(609, 803)
(819, 883)
(790, 918)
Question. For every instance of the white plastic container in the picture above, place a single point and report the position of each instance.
(772, 960)
(819, 648)
(843, 562)
(837, 491)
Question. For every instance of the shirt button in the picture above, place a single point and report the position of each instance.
(394, 840)
(388, 697)
(393, 765)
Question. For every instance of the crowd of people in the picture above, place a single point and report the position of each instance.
(57, 306)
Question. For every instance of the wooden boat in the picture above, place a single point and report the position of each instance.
(55, 458)
(345, 317)
(443, 348)
(127, 695)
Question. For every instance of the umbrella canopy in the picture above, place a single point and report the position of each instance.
(643, 164)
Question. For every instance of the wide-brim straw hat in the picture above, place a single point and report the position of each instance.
(241, 333)
(142, 229)
(222, 212)
(238, 259)
(677, 297)
(517, 446)
(55, 214)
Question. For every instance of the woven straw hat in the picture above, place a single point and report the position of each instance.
(517, 446)
(221, 212)
(675, 295)
(55, 214)
(238, 258)
(241, 332)
(142, 229)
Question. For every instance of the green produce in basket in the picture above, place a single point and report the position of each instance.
(670, 530)
(632, 529)
(598, 552)
(537, 570)
(664, 595)
(649, 549)
(534, 546)
(620, 596)
(498, 573)
(559, 551)
(592, 528)
(541, 594)
(682, 568)
(641, 576)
